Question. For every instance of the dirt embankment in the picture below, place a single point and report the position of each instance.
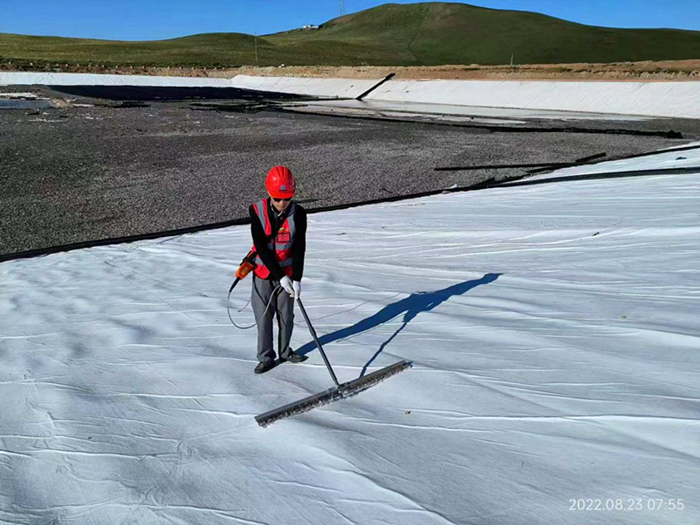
(671, 70)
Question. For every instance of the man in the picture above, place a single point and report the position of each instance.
(278, 227)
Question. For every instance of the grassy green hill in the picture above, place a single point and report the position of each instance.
(392, 34)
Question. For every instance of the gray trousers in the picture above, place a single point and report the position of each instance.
(283, 307)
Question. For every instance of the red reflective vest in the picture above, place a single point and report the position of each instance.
(280, 243)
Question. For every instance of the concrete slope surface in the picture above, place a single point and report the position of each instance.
(554, 335)
(652, 99)
(660, 99)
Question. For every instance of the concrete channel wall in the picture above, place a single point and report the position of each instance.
(657, 99)
(87, 79)
(318, 87)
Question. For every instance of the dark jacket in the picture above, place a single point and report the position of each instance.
(260, 240)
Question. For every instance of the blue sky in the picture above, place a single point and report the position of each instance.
(158, 19)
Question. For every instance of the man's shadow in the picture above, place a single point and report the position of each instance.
(410, 307)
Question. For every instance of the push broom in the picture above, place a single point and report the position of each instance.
(339, 391)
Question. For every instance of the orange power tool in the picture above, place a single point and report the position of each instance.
(247, 265)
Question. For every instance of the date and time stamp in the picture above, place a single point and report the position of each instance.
(627, 504)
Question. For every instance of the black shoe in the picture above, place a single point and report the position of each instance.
(264, 366)
(293, 357)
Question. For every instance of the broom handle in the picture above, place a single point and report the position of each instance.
(318, 343)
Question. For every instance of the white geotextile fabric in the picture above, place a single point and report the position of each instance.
(555, 340)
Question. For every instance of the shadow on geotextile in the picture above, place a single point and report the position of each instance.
(410, 307)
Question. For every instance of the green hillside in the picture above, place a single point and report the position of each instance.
(392, 34)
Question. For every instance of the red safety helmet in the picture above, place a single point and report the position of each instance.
(280, 183)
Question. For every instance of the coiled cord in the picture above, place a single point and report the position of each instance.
(273, 295)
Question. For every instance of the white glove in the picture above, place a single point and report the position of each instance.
(286, 283)
(297, 289)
